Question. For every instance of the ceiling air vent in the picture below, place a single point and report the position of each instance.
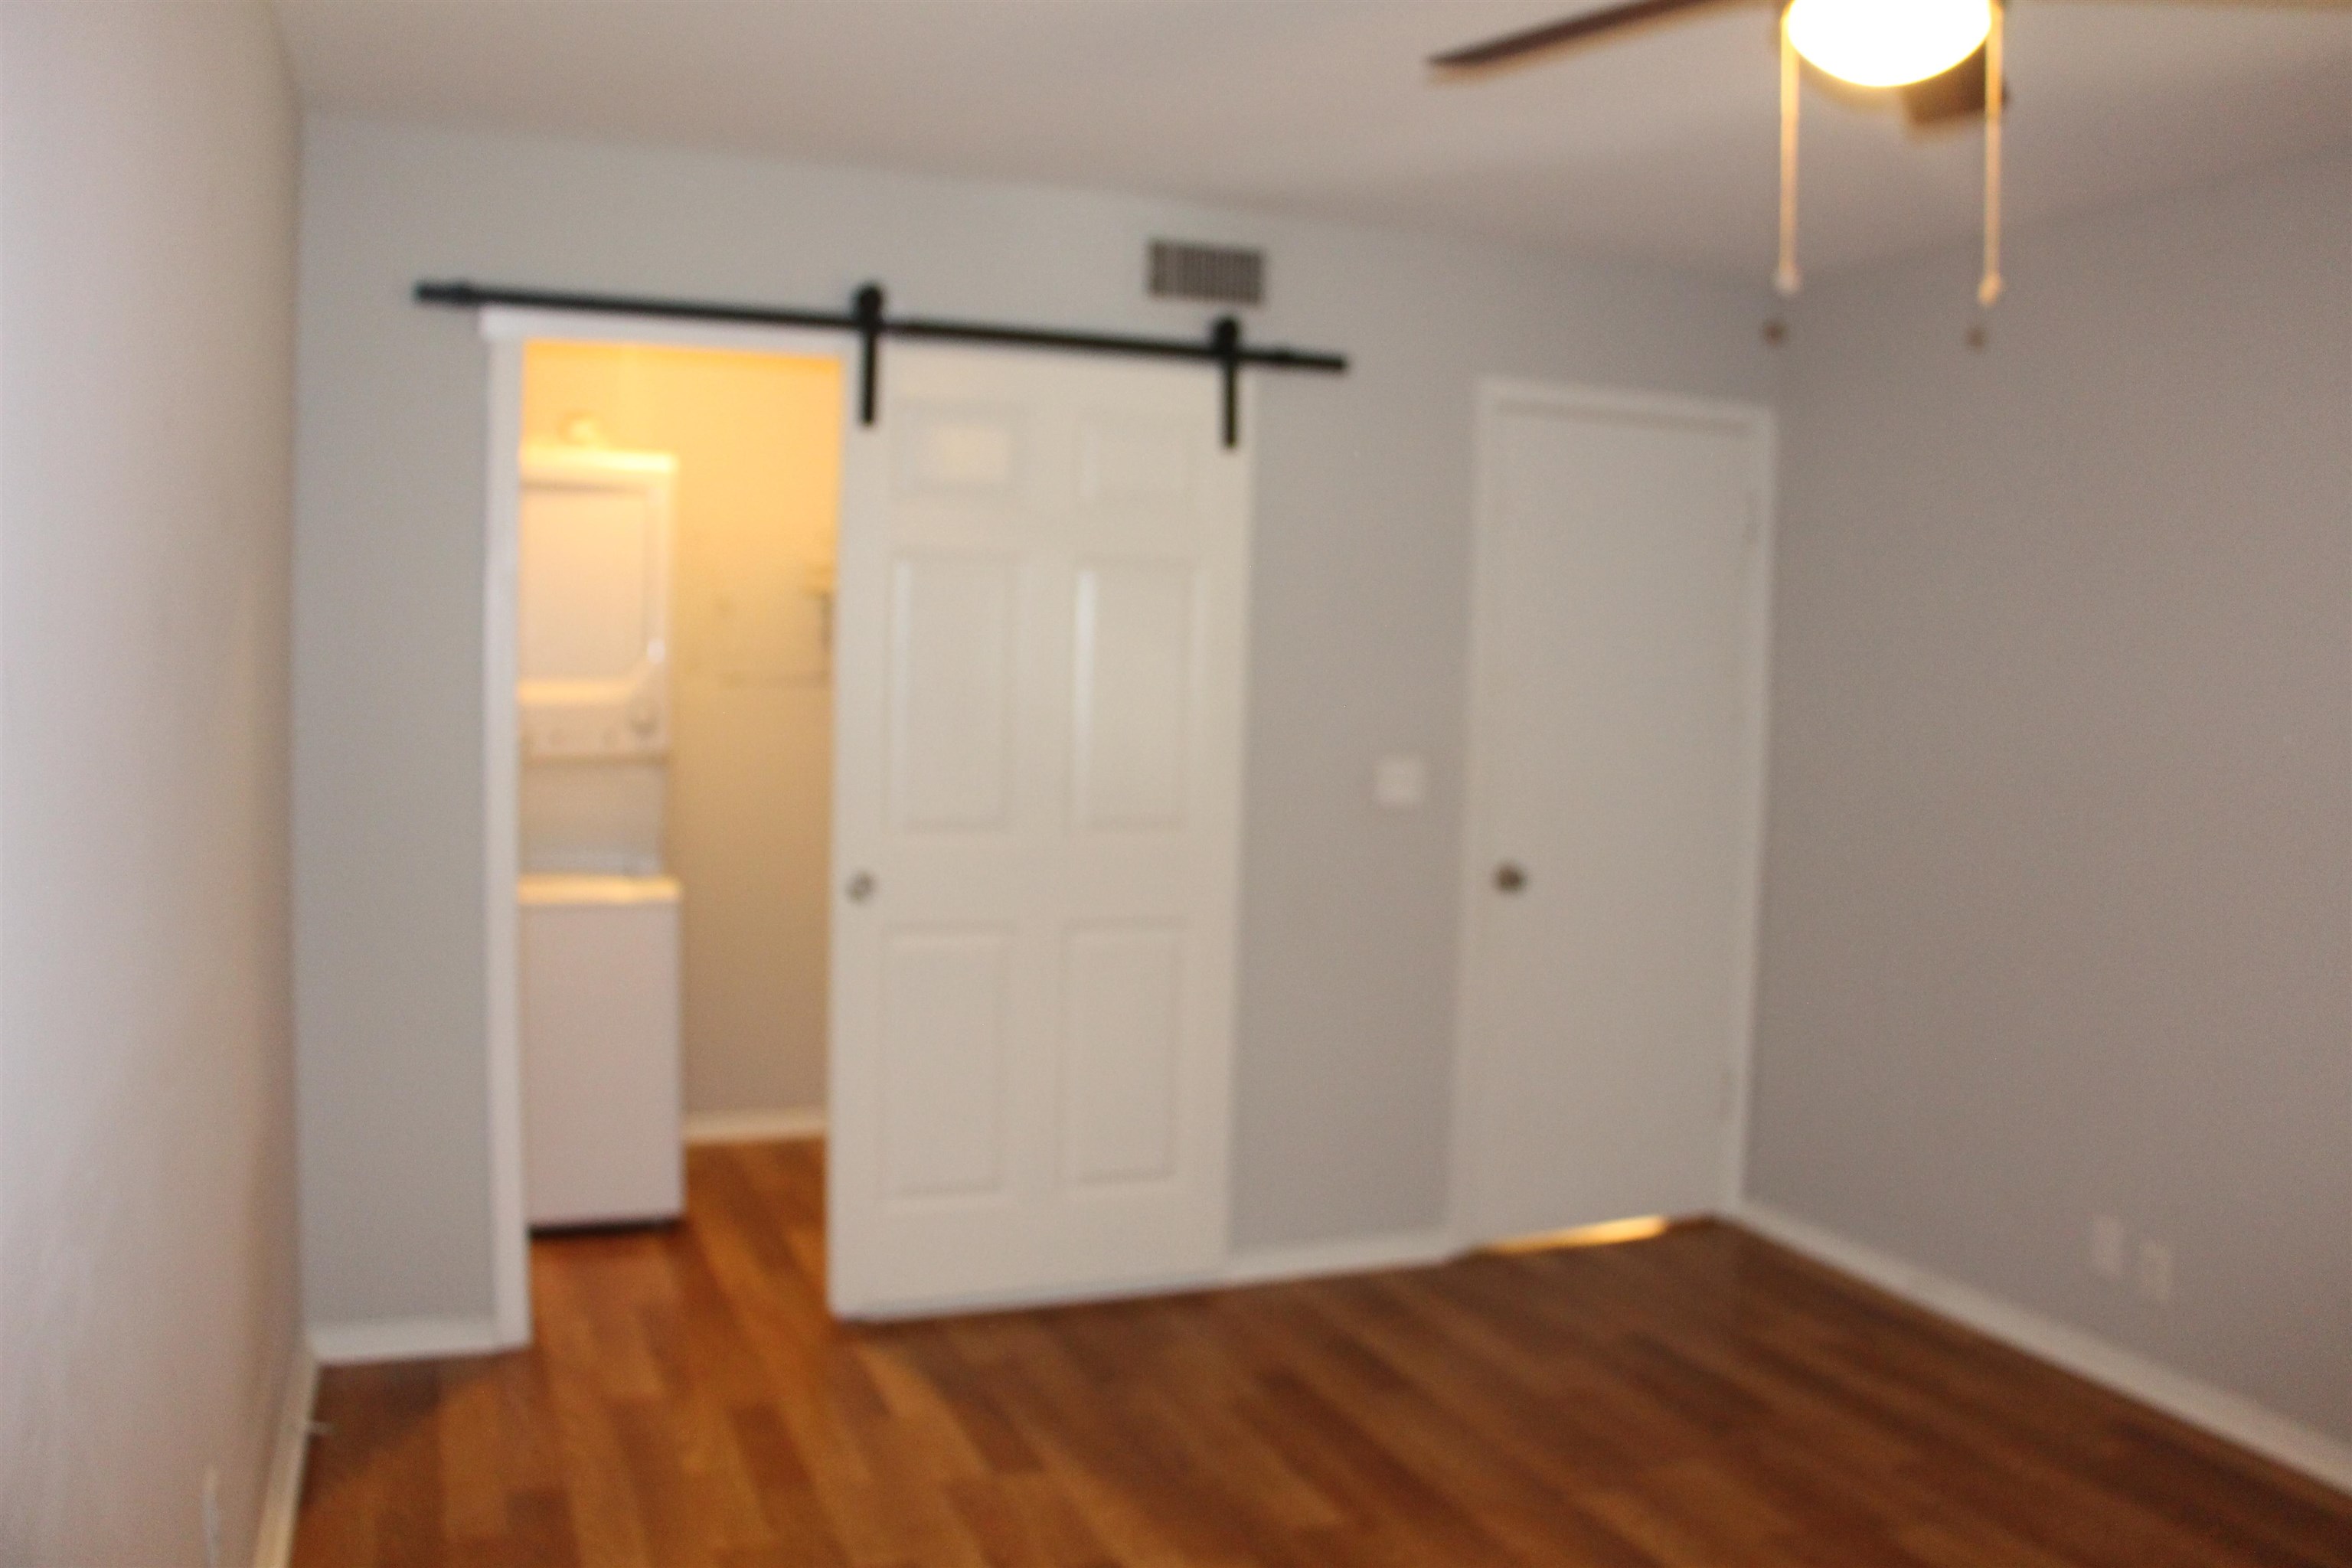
(1218, 274)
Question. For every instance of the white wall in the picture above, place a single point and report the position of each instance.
(147, 1275)
(1358, 624)
(2058, 885)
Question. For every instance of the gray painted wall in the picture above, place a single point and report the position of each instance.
(2058, 902)
(1359, 626)
(147, 1273)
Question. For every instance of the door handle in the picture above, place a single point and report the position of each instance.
(860, 887)
(1509, 877)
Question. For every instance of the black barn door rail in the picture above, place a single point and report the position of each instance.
(866, 319)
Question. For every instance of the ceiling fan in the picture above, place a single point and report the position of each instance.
(1944, 58)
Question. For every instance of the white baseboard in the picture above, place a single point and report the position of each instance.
(755, 1126)
(281, 1496)
(404, 1339)
(2216, 1410)
(1353, 1254)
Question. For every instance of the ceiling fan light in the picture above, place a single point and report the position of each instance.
(1887, 43)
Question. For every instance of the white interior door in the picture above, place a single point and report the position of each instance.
(1616, 784)
(1043, 581)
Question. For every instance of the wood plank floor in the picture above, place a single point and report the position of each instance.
(1701, 1398)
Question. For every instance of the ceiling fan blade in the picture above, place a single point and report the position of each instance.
(2227, 4)
(1567, 30)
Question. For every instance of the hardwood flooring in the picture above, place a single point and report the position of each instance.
(1701, 1398)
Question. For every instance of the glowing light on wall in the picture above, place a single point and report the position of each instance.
(1613, 1231)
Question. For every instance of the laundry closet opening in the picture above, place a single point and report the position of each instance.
(676, 525)
(947, 841)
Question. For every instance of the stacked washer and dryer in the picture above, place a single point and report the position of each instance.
(599, 919)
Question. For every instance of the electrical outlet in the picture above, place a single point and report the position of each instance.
(2154, 1275)
(2107, 1246)
(212, 1517)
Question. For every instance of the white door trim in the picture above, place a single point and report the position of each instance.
(1496, 396)
(507, 329)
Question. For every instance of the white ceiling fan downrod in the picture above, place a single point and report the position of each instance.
(1785, 276)
(1989, 288)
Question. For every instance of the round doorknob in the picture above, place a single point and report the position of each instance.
(860, 888)
(1509, 877)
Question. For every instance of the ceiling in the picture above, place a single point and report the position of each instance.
(1659, 147)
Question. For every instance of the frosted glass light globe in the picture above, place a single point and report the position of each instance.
(1886, 43)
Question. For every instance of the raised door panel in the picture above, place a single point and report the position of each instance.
(946, 1019)
(951, 695)
(959, 454)
(1136, 667)
(1123, 1001)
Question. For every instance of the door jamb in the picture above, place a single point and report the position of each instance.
(507, 329)
(1497, 396)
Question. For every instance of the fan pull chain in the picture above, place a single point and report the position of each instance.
(1989, 290)
(1786, 278)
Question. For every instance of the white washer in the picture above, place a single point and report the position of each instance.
(600, 1050)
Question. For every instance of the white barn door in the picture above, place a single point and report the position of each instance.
(1043, 590)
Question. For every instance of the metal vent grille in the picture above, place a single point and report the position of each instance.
(1219, 274)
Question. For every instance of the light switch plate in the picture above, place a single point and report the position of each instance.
(1400, 783)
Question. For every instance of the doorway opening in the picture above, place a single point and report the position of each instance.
(677, 529)
(1018, 953)
(664, 518)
